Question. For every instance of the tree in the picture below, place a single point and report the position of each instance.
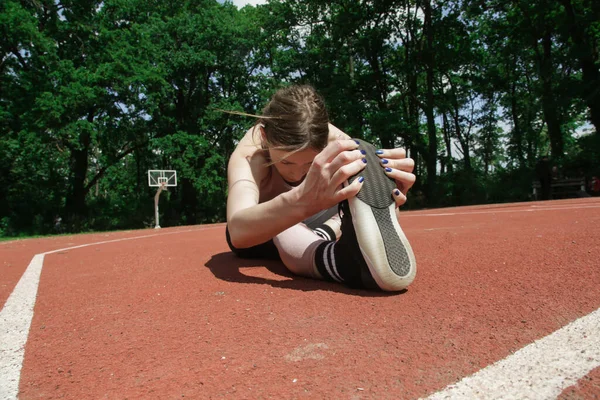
(582, 22)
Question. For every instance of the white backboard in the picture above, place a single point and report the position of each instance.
(156, 177)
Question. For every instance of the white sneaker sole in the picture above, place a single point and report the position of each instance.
(390, 259)
(382, 242)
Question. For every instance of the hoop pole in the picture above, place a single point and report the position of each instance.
(156, 198)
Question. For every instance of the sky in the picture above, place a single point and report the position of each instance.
(242, 3)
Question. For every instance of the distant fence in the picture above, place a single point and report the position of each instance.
(561, 188)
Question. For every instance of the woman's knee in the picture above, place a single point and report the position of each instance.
(299, 260)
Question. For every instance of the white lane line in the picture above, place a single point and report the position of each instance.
(15, 320)
(17, 314)
(416, 214)
(444, 228)
(130, 238)
(540, 370)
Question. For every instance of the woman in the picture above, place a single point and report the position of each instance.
(289, 176)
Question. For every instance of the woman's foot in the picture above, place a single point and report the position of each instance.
(373, 251)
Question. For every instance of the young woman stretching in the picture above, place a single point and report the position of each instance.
(294, 174)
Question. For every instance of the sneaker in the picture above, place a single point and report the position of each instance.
(371, 235)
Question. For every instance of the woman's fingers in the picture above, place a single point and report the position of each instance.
(345, 158)
(392, 153)
(396, 159)
(340, 160)
(400, 168)
(399, 197)
(404, 180)
(333, 149)
(350, 190)
(404, 164)
(332, 166)
(342, 174)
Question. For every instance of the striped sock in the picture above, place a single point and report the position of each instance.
(325, 232)
(343, 262)
(325, 261)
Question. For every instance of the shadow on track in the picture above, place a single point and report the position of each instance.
(228, 267)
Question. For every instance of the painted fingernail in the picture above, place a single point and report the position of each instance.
(384, 161)
(397, 192)
(379, 152)
(363, 152)
(361, 179)
(356, 141)
(364, 160)
(388, 170)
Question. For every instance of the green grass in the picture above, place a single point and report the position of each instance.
(25, 237)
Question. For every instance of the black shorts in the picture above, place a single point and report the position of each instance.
(268, 250)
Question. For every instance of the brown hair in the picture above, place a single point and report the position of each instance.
(296, 119)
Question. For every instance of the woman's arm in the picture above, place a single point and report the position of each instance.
(251, 223)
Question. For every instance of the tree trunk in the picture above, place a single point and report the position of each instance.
(75, 201)
(386, 136)
(431, 131)
(462, 139)
(587, 59)
(517, 130)
(448, 142)
(529, 115)
(413, 115)
(189, 201)
(549, 106)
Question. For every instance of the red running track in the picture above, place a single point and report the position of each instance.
(176, 315)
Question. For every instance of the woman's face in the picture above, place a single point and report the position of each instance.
(293, 167)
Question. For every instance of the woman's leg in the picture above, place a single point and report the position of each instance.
(372, 252)
(327, 223)
(265, 250)
(296, 247)
(333, 226)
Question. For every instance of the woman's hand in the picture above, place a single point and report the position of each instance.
(322, 187)
(400, 168)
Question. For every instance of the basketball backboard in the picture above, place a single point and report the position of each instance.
(158, 177)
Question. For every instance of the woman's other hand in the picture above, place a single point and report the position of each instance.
(400, 168)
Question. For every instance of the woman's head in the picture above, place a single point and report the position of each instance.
(294, 130)
(295, 119)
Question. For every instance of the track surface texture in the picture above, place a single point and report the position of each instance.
(172, 313)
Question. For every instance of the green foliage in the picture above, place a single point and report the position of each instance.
(462, 187)
(93, 94)
(584, 158)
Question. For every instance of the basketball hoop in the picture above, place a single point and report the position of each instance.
(157, 177)
(162, 179)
